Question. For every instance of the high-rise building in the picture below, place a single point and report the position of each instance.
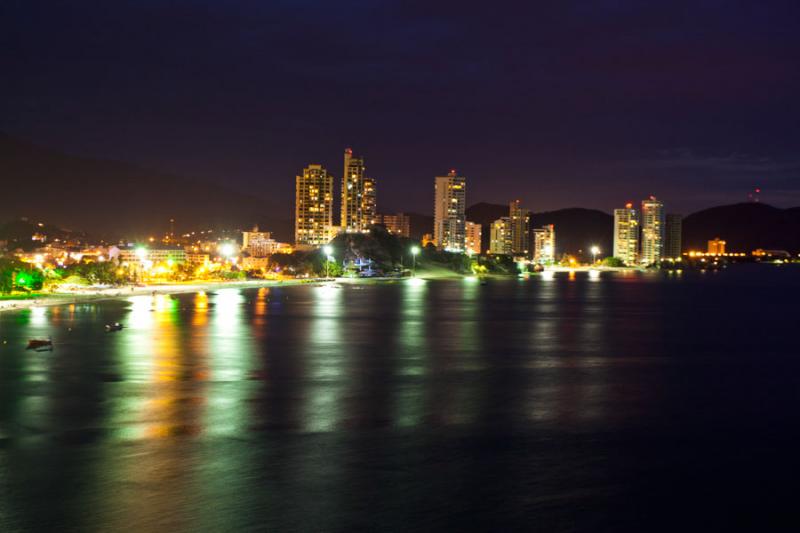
(652, 231)
(313, 206)
(258, 243)
(500, 237)
(672, 236)
(359, 195)
(369, 204)
(544, 244)
(449, 222)
(473, 233)
(626, 234)
(716, 246)
(399, 224)
(520, 220)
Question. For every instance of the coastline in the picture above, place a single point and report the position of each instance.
(113, 293)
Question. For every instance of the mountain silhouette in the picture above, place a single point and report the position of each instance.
(109, 198)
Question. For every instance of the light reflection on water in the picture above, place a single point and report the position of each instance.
(322, 394)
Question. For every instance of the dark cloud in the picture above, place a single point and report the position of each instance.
(558, 103)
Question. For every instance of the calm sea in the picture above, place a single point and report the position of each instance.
(626, 402)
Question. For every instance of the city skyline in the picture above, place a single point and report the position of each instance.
(398, 265)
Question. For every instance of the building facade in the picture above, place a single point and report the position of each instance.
(652, 251)
(473, 238)
(258, 243)
(500, 237)
(673, 227)
(716, 246)
(544, 245)
(399, 224)
(359, 196)
(313, 207)
(449, 219)
(520, 220)
(152, 255)
(626, 234)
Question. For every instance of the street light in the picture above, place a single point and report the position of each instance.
(595, 251)
(414, 252)
(227, 250)
(328, 250)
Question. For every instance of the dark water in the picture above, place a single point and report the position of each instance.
(631, 402)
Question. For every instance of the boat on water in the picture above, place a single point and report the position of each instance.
(116, 326)
(40, 344)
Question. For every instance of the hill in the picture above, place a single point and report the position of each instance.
(108, 198)
(745, 227)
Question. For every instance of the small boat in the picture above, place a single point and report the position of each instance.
(116, 326)
(40, 344)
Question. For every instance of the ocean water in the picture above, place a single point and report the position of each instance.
(635, 402)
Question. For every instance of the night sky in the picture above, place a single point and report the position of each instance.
(560, 104)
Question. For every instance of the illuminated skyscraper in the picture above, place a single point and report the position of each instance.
(473, 232)
(652, 231)
(359, 205)
(626, 234)
(520, 220)
(449, 222)
(544, 244)
(672, 236)
(500, 237)
(313, 206)
(369, 204)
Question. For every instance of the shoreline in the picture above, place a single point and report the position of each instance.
(114, 293)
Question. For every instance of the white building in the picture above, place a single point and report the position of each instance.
(449, 223)
(258, 243)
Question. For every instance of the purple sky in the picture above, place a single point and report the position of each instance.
(560, 104)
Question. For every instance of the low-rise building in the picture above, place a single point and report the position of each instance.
(153, 255)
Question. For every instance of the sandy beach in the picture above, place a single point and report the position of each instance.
(93, 295)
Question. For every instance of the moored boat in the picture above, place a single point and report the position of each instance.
(40, 344)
